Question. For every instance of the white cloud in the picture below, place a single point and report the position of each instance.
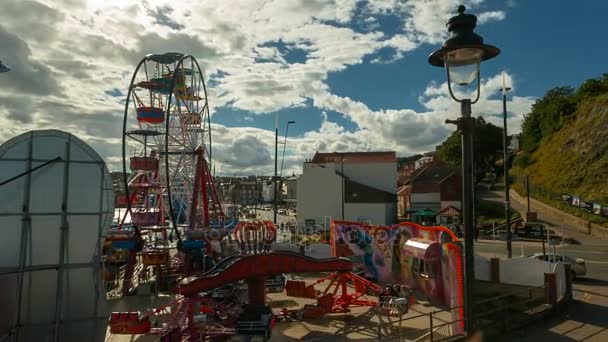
(66, 54)
(490, 16)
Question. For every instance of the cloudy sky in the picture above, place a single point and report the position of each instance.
(352, 74)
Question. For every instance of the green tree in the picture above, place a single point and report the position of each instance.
(548, 115)
(487, 146)
(592, 87)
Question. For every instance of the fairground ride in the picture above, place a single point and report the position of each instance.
(166, 153)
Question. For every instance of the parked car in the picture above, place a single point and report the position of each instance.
(577, 266)
(534, 231)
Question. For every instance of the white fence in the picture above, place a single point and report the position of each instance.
(482, 268)
(523, 271)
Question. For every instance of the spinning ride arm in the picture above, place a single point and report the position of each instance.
(261, 265)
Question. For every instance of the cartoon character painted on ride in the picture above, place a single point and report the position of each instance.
(407, 254)
(426, 259)
(356, 243)
(401, 262)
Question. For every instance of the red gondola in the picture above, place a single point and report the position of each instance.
(144, 163)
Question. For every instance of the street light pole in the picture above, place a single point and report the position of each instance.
(257, 198)
(342, 192)
(467, 124)
(461, 55)
(285, 146)
(505, 138)
(276, 155)
(283, 157)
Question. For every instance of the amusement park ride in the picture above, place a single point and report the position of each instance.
(170, 195)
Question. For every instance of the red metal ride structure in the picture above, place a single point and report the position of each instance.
(167, 148)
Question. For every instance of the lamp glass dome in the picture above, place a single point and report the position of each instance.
(463, 65)
(463, 75)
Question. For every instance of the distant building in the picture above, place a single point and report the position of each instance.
(361, 186)
(435, 195)
(514, 143)
(290, 186)
(424, 161)
(268, 191)
(244, 192)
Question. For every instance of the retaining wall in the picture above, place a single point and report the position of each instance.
(557, 215)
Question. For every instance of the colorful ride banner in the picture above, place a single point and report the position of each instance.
(400, 254)
(378, 250)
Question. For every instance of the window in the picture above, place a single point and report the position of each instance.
(425, 269)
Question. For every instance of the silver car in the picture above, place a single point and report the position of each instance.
(577, 266)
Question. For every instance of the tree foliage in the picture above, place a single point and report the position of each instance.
(487, 147)
(551, 112)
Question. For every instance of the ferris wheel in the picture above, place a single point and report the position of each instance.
(167, 146)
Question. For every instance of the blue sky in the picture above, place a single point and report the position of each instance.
(543, 44)
(353, 74)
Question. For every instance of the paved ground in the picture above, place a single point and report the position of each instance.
(362, 324)
(268, 215)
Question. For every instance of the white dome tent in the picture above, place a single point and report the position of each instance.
(56, 201)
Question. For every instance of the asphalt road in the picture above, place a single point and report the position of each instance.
(498, 196)
(268, 215)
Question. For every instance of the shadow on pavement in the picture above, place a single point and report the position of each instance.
(590, 281)
(581, 321)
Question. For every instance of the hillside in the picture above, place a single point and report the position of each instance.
(571, 160)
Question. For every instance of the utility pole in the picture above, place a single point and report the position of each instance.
(467, 126)
(528, 190)
(257, 198)
(276, 155)
(505, 139)
(342, 192)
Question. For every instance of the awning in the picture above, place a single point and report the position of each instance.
(449, 211)
(425, 212)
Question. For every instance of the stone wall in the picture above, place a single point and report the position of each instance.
(557, 215)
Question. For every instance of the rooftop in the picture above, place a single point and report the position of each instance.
(355, 157)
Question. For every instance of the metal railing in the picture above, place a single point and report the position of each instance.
(422, 327)
(498, 314)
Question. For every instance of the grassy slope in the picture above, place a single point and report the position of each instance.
(573, 160)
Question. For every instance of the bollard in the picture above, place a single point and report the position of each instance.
(568, 272)
(550, 289)
(495, 270)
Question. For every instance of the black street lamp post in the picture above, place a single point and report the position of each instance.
(276, 159)
(285, 146)
(274, 179)
(505, 138)
(461, 55)
(342, 175)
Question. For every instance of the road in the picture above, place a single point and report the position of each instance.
(498, 196)
(268, 215)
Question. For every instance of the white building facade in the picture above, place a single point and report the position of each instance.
(356, 186)
(267, 191)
